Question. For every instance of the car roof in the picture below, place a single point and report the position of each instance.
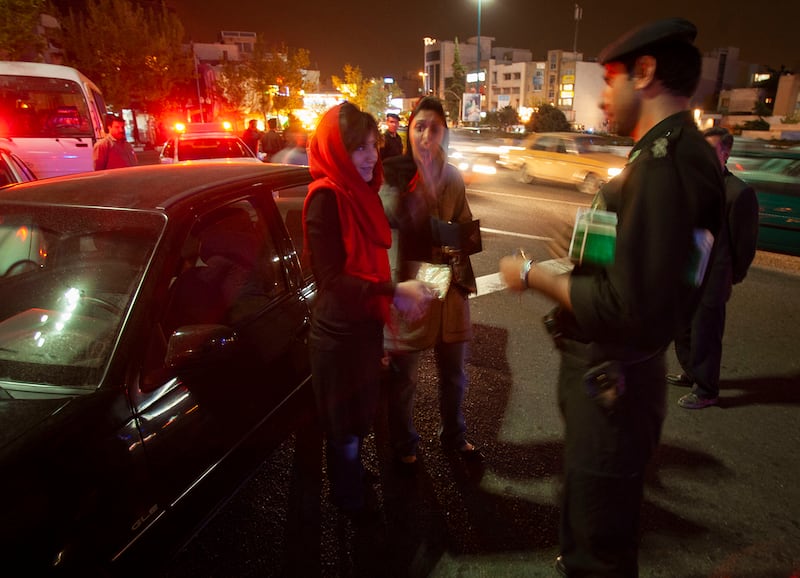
(154, 187)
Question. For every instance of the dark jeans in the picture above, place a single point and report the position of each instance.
(605, 457)
(403, 379)
(346, 385)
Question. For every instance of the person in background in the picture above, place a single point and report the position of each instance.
(271, 141)
(347, 239)
(294, 153)
(251, 135)
(699, 346)
(421, 185)
(615, 321)
(392, 141)
(114, 151)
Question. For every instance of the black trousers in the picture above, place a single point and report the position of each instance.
(606, 452)
(699, 348)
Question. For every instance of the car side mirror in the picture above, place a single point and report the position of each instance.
(194, 345)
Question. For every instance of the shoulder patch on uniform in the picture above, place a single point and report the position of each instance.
(660, 147)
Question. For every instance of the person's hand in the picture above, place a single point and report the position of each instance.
(412, 297)
(510, 270)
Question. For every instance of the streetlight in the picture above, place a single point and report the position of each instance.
(422, 78)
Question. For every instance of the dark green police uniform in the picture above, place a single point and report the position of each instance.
(625, 315)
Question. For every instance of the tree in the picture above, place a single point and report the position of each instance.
(547, 119)
(456, 86)
(140, 63)
(19, 38)
(352, 86)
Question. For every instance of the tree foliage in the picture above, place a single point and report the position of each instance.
(503, 118)
(19, 39)
(547, 119)
(456, 87)
(269, 82)
(353, 86)
(132, 52)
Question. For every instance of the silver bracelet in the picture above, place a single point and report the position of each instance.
(523, 273)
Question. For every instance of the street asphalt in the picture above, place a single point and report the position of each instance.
(722, 497)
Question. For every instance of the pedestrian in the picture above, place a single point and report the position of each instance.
(347, 238)
(252, 135)
(392, 142)
(699, 346)
(295, 152)
(114, 151)
(614, 321)
(271, 140)
(421, 188)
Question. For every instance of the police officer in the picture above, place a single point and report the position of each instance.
(614, 321)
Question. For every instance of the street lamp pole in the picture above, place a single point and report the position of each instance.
(478, 76)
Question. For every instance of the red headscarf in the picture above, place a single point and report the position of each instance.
(365, 229)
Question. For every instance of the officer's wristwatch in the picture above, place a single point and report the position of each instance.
(523, 273)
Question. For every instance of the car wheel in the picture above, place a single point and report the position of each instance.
(591, 184)
(525, 174)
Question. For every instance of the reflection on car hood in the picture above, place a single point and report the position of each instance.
(19, 416)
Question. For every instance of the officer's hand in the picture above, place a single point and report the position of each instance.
(510, 272)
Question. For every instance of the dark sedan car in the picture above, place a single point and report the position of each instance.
(153, 344)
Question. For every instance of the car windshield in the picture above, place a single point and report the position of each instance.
(196, 149)
(68, 276)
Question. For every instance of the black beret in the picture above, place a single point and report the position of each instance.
(669, 30)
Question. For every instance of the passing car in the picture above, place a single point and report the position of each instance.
(775, 176)
(585, 161)
(205, 142)
(13, 169)
(153, 348)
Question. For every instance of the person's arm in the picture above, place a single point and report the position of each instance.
(520, 274)
(743, 226)
(100, 155)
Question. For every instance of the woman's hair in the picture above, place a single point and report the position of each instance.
(433, 104)
(355, 126)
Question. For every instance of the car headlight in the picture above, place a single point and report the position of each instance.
(613, 172)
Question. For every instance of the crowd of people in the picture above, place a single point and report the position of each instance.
(370, 225)
(389, 289)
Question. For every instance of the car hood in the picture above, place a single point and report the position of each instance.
(19, 416)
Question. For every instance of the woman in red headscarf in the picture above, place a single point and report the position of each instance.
(347, 236)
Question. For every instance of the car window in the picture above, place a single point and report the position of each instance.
(290, 205)
(211, 148)
(68, 276)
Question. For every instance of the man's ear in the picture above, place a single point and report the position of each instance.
(644, 71)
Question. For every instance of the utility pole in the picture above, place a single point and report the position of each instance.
(578, 16)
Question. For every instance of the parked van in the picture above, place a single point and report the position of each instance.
(50, 116)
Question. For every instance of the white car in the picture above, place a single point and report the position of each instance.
(206, 143)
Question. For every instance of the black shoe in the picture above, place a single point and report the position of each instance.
(469, 453)
(679, 379)
(559, 566)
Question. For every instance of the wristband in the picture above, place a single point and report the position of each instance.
(523, 273)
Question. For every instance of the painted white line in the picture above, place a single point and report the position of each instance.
(488, 284)
(588, 203)
(513, 234)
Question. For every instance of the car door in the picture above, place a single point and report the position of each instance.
(227, 350)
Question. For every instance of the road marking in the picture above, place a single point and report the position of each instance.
(529, 198)
(488, 284)
(513, 234)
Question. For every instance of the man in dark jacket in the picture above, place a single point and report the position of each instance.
(392, 142)
(615, 321)
(699, 346)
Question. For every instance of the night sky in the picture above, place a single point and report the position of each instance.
(384, 38)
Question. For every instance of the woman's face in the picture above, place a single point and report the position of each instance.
(365, 156)
(427, 133)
